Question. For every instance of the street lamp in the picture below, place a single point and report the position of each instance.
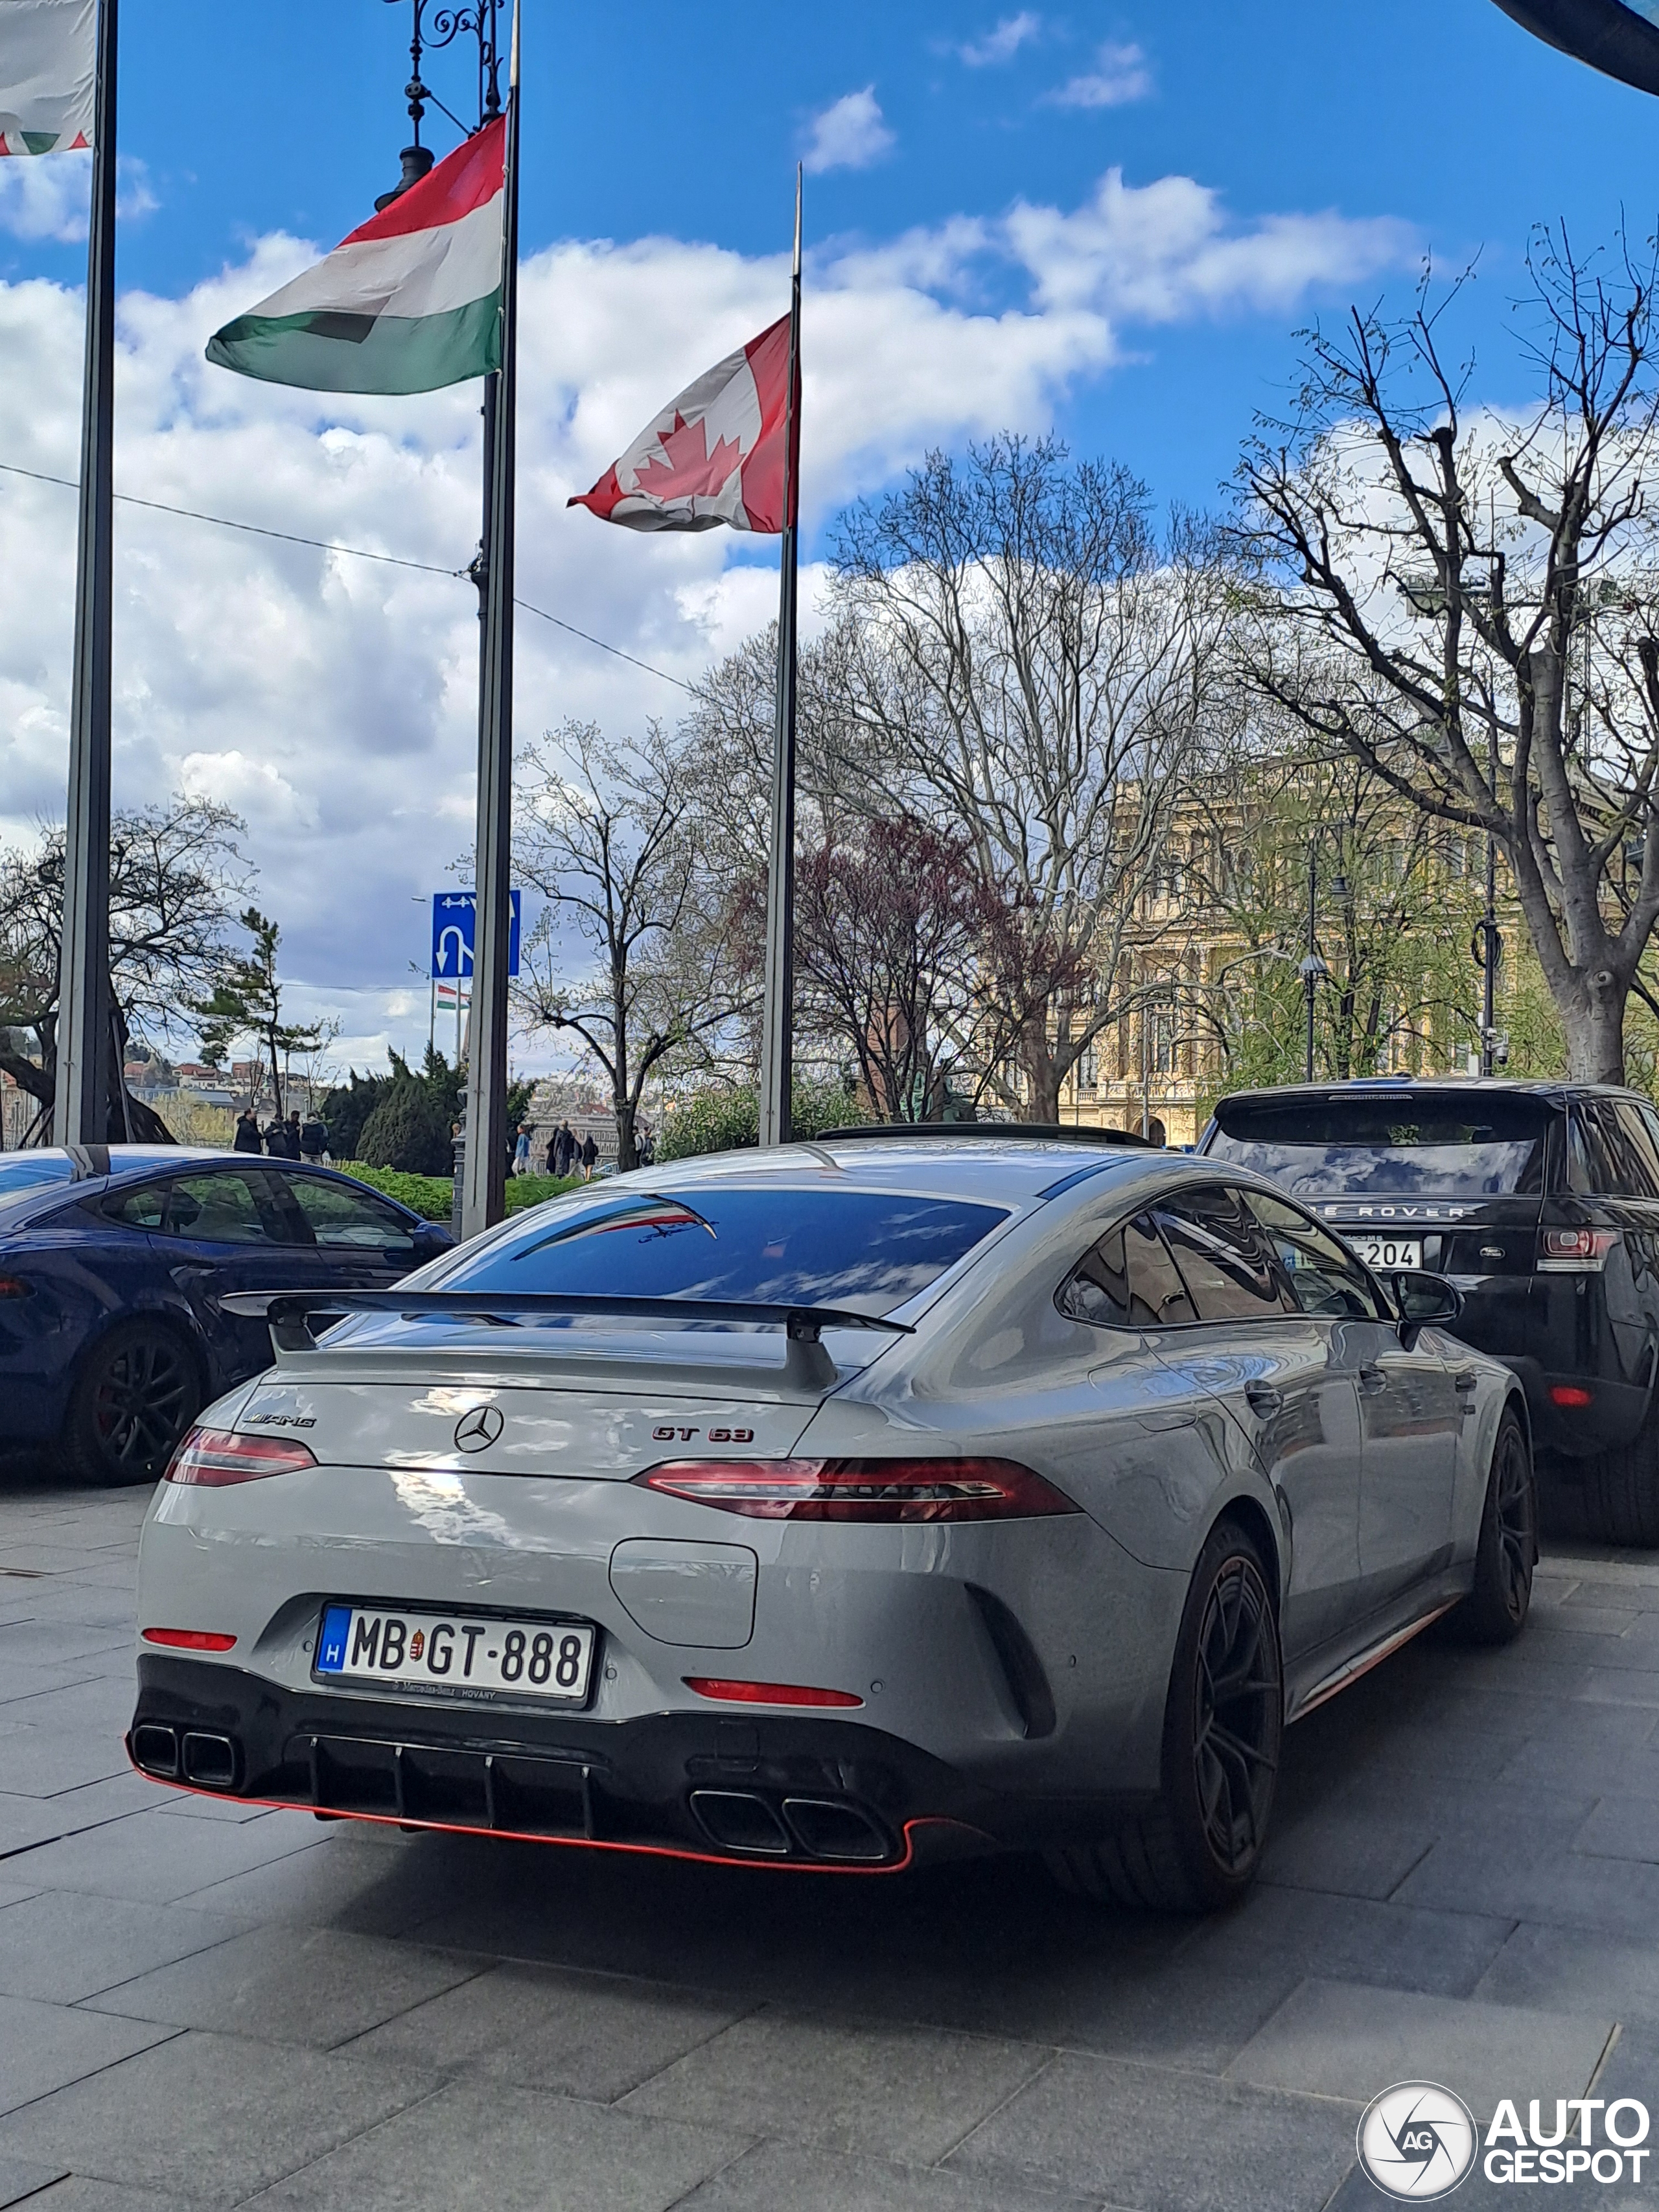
(448, 24)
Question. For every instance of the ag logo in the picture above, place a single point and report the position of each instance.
(1417, 2141)
(475, 1430)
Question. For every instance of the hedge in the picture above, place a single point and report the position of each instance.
(433, 1197)
(726, 1120)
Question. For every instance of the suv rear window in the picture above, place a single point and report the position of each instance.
(1398, 1144)
(868, 1250)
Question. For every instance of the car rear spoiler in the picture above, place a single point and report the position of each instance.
(289, 1315)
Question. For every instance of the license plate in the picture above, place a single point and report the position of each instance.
(1385, 1254)
(469, 1653)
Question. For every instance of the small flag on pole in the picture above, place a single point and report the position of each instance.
(715, 454)
(410, 302)
(48, 68)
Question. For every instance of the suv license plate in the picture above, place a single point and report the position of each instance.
(1385, 1254)
(456, 1652)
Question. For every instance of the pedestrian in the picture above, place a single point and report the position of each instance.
(246, 1137)
(292, 1136)
(590, 1152)
(564, 1150)
(646, 1149)
(521, 1150)
(313, 1139)
(552, 1153)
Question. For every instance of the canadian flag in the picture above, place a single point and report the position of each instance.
(715, 455)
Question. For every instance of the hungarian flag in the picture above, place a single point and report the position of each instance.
(48, 65)
(411, 300)
(715, 454)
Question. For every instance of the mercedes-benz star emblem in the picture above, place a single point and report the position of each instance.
(479, 1428)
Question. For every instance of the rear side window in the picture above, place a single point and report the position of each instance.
(1128, 1281)
(1389, 1144)
(138, 1209)
(226, 1209)
(1608, 1152)
(867, 1250)
(1223, 1258)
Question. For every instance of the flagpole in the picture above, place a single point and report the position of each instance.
(778, 1011)
(84, 1040)
(484, 1170)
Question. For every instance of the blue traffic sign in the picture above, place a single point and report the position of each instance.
(452, 916)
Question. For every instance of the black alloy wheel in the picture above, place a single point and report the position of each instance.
(1238, 1715)
(1500, 1596)
(1198, 1847)
(133, 1401)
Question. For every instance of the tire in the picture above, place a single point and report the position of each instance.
(1618, 1492)
(1495, 1611)
(1198, 1847)
(135, 1395)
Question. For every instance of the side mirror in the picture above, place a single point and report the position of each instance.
(431, 1238)
(1425, 1301)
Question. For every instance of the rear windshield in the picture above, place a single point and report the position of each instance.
(1472, 1147)
(868, 1250)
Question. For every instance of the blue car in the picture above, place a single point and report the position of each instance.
(113, 1259)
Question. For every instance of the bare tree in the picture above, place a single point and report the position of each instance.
(891, 928)
(629, 952)
(176, 877)
(1022, 662)
(1467, 604)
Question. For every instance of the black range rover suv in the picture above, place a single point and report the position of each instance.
(1541, 1200)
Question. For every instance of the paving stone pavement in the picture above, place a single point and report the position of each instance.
(203, 2006)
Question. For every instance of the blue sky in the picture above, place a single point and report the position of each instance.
(1441, 113)
(1107, 220)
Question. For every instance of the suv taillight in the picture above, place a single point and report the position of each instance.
(210, 1459)
(1575, 1251)
(861, 1489)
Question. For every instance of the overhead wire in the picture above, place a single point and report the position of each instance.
(356, 553)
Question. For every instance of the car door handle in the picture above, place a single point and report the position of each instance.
(1371, 1379)
(1264, 1399)
(1467, 1381)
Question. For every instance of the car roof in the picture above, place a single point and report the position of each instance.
(1557, 1090)
(1010, 1171)
(86, 1162)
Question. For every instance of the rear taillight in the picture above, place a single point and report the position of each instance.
(189, 1639)
(213, 1458)
(861, 1489)
(1575, 1251)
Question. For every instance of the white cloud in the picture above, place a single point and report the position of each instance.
(1164, 252)
(332, 701)
(47, 196)
(1002, 43)
(849, 134)
(1120, 77)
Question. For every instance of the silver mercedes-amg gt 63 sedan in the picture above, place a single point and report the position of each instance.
(835, 1507)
